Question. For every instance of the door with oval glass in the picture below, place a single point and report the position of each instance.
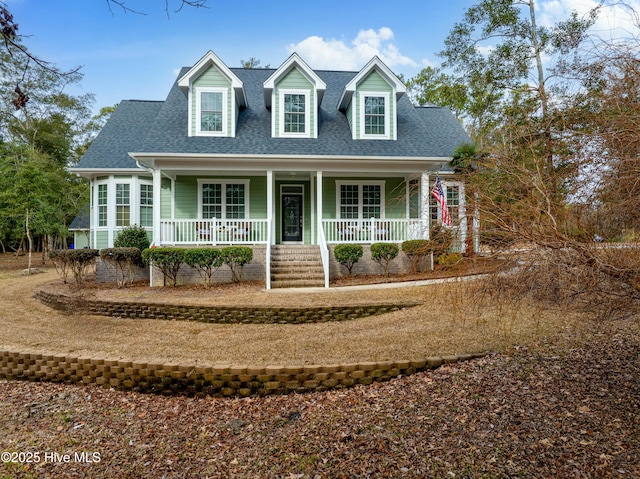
(292, 216)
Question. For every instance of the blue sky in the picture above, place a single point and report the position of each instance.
(130, 56)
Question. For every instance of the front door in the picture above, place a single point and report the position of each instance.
(292, 217)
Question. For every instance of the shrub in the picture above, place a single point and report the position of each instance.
(205, 260)
(132, 237)
(417, 250)
(441, 239)
(383, 254)
(236, 257)
(168, 260)
(76, 261)
(449, 260)
(123, 261)
(348, 255)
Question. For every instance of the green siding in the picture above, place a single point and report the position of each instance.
(374, 83)
(165, 202)
(80, 239)
(186, 197)
(295, 80)
(212, 77)
(102, 239)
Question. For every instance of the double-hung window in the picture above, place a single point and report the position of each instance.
(123, 204)
(295, 113)
(375, 115)
(224, 200)
(361, 200)
(146, 205)
(211, 111)
(102, 204)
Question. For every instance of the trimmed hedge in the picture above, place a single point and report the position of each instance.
(74, 261)
(124, 262)
(417, 250)
(236, 257)
(205, 260)
(383, 254)
(168, 260)
(348, 255)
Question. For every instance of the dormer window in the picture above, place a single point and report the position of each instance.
(216, 96)
(211, 111)
(370, 102)
(294, 113)
(293, 93)
(374, 114)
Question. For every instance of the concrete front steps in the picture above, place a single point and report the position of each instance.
(296, 266)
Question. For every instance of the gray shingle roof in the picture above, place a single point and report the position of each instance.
(124, 132)
(161, 127)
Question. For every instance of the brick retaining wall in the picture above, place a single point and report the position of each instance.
(220, 380)
(215, 314)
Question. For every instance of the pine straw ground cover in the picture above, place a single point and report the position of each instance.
(565, 407)
(559, 399)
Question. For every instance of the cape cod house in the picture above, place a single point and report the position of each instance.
(270, 157)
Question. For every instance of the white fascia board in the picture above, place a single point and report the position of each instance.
(198, 161)
(91, 173)
(291, 62)
(210, 59)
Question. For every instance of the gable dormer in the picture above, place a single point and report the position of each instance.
(370, 101)
(293, 93)
(215, 96)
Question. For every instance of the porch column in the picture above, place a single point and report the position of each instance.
(270, 205)
(424, 203)
(157, 205)
(319, 202)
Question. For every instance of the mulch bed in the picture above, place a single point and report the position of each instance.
(567, 408)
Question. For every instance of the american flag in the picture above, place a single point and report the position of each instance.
(438, 194)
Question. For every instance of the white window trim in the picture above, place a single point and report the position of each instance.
(224, 183)
(360, 183)
(144, 182)
(225, 110)
(387, 114)
(307, 113)
(134, 183)
(97, 204)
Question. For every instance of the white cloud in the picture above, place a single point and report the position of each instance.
(615, 20)
(338, 55)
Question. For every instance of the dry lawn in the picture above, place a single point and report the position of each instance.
(450, 321)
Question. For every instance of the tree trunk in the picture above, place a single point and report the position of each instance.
(30, 240)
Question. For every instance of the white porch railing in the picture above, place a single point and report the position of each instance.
(324, 254)
(374, 230)
(214, 231)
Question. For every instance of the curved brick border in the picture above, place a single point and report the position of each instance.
(221, 380)
(215, 314)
